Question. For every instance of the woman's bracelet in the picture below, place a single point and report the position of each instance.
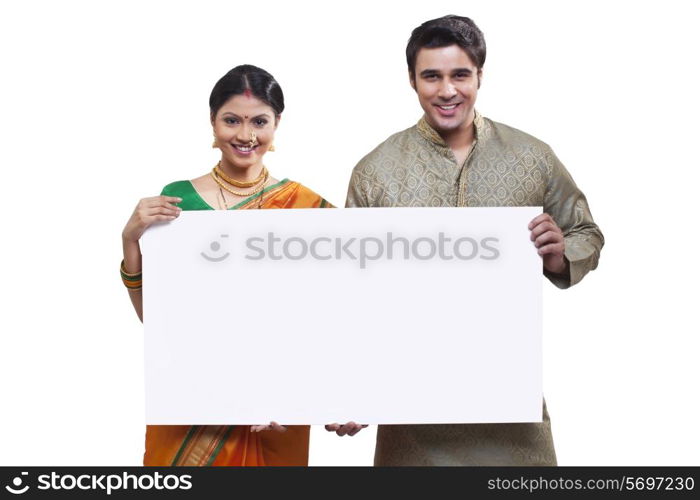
(131, 280)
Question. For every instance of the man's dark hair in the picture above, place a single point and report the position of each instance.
(244, 78)
(443, 32)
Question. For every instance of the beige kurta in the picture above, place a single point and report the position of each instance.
(506, 167)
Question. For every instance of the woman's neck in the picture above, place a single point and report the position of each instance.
(241, 174)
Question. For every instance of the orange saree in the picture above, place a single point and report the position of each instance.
(201, 445)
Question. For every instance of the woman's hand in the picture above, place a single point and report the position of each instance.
(274, 426)
(148, 211)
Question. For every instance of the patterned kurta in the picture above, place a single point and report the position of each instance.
(505, 168)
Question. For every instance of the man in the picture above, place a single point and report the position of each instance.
(454, 156)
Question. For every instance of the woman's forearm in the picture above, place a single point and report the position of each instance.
(132, 264)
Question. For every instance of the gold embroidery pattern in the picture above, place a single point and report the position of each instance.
(525, 444)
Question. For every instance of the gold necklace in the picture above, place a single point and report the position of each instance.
(238, 193)
(225, 205)
(240, 184)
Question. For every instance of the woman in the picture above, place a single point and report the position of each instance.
(246, 105)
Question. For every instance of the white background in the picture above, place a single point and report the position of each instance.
(103, 103)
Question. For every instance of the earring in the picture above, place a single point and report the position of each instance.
(213, 144)
(271, 148)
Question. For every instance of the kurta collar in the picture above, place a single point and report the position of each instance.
(430, 134)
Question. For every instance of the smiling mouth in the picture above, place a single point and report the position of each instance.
(448, 107)
(243, 149)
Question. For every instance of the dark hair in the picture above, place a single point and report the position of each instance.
(443, 32)
(259, 82)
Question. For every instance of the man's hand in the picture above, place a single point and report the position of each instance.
(549, 241)
(351, 428)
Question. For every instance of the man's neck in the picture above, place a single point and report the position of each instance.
(459, 139)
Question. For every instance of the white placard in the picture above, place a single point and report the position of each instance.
(312, 316)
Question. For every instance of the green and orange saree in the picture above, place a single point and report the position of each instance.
(200, 445)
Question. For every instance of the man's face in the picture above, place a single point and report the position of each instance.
(446, 81)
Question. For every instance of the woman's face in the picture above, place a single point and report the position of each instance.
(234, 125)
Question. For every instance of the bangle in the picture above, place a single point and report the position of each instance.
(131, 280)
